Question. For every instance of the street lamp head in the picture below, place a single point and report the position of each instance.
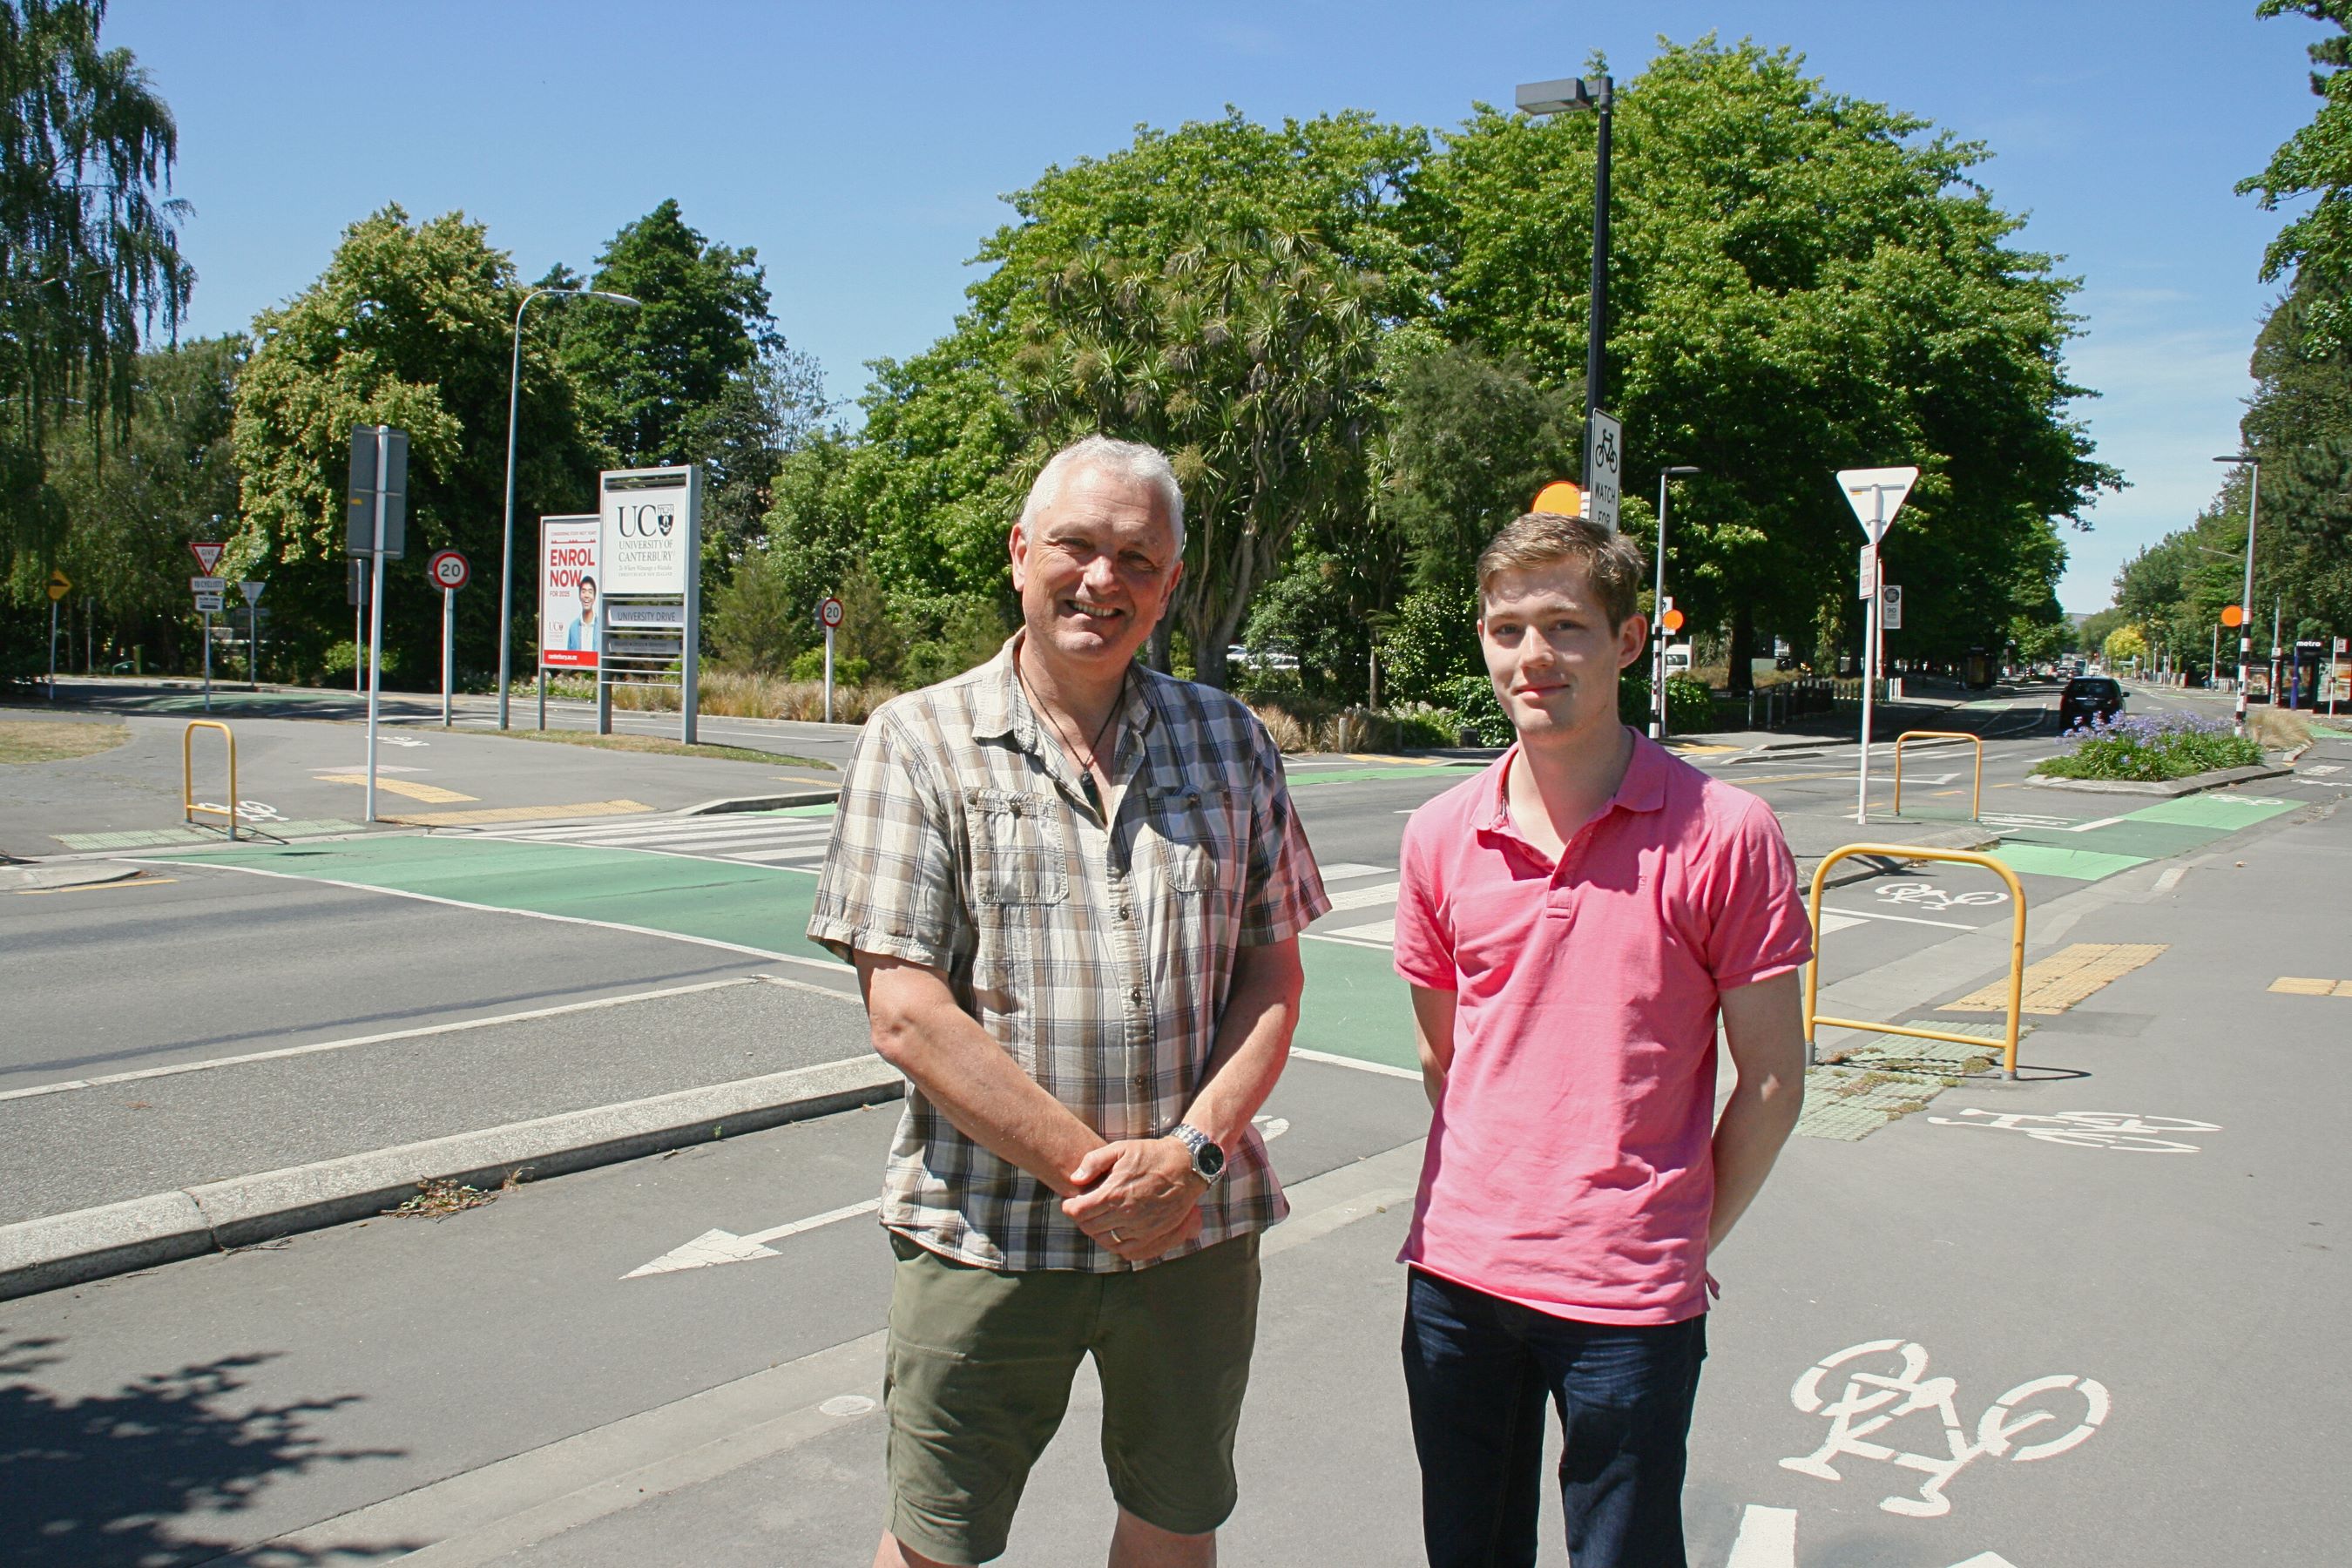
(2240, 458)
(1679, 470)
(608, 294)
(1554, 97)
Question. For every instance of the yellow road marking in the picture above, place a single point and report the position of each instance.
(99, 886)
(520, 813)
(2065, 978)
(430, 795)
(1698, 751)
(1401, 762)
(1777, 778)
(1951, 792)
(2295, 987)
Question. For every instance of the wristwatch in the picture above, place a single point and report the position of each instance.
(1207, 1159)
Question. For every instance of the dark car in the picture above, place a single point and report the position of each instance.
(2088, 697)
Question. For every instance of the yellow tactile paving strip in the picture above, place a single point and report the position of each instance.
(430, 795)
(2295, 985)
(520, 813)
(2065, 978)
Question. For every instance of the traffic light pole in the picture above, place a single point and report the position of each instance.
(2246, 599)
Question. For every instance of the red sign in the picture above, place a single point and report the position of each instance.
(448, 569)
(829, 613)
(207, 556)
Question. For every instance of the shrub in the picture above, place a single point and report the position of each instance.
(809, 664)
(2151, 748)
(1690, 702)
(1471, 698)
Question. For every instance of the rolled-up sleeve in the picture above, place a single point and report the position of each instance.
(1283, 892)
(890, 884)
(1760, 928)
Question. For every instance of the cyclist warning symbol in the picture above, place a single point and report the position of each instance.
(1886, 1393)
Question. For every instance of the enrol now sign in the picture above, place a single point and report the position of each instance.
(649, 520)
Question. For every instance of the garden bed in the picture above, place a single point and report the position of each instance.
(2151, 749)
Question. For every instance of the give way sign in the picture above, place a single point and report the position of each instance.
(1876, 495)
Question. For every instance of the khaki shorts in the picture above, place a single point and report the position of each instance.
(979, 1376)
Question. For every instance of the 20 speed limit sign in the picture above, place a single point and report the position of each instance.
(448, 569)
(828, 613)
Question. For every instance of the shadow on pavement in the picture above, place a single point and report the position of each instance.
(114, 1478)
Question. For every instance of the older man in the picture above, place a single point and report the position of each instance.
(1072, 888)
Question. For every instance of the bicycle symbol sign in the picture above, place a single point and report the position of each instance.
(1887, 1379)
(2120, 1130)
(1926, 895)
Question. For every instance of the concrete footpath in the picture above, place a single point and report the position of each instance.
(2007, 1328)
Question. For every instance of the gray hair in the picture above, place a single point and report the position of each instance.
(1133, 461)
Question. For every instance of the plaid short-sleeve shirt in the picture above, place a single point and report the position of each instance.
(1097, 953)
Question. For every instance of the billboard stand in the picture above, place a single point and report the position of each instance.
(649, 613)
(569, 611)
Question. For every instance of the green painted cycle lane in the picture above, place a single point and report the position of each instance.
(1355, 1005)
(2155, 832)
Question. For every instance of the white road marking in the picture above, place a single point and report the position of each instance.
(2123, 1130)
(769, 953)
(1346, 870)
(1768, 1539)
(716, 1248)
(1833, 919)
(2170, 879)
(1907, 920)
(1874, 1400)
(1412, 1075)
(1364, 897)
(459, 1027)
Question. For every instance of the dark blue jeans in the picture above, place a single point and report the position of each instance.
(1478, 1370)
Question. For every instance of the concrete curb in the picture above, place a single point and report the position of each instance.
(759, 803)
(39, 1255)
(44, 878)
(2195, 784)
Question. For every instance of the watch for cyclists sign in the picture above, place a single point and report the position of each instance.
(448, 569)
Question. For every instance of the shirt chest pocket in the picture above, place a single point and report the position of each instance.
(1199, 842)
(1017, 855)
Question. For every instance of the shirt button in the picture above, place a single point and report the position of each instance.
(1123, 913)
(1135, 995)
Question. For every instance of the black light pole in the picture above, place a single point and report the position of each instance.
(1563, 97)
(2246, 598)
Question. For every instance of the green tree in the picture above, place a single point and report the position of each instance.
(2316, 161)
(130, 512)
(649, 378)
(1800, 281)
(410, 326)
(2122, 645)
(88, 256)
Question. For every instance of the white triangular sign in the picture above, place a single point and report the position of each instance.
(207, 556)
(1876, 495)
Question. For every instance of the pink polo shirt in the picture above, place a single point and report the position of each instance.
(1569, 1167)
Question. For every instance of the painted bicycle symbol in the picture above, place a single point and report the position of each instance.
(1926, 895)
(247, 810)
(2087, 1129)
(1887, 1379)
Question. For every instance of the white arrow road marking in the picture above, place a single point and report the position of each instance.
(714, 1248)
(1986, 1559)
(1768, 1539)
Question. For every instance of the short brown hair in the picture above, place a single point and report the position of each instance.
(1612, 561)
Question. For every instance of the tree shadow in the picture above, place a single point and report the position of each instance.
(110, 1478)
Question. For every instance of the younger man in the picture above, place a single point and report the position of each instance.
(1571, 921)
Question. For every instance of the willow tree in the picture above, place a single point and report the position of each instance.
(88, 253)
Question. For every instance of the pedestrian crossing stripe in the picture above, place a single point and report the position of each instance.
(789, 843)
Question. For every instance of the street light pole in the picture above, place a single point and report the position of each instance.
(1658, 610)
(506, 548)
(2246, 597)
(1562, 97)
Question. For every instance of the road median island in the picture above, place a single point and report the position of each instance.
(87, 1244)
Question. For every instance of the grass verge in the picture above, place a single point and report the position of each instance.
(56, 740)
(656, 745)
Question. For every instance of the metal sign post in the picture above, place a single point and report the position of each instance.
(252, 591)
(828, 615)
(377, 516)
(1866, 490)
(448, 572)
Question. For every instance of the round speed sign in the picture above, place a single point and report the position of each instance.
(448, 569)
(829, 612)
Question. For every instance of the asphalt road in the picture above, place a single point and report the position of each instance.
(2052, 1313)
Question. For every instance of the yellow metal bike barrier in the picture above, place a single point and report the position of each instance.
(190, 809)
(1976, 797)
(2016, 952)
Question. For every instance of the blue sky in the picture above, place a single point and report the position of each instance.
(862, 149)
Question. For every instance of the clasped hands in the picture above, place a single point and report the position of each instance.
(1138, 1196)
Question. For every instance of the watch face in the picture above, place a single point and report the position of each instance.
(1209, 1160)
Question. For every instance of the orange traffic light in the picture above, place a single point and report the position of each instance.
(1671, 620)
(2233, 615)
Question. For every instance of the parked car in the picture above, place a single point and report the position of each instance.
(2088, 697)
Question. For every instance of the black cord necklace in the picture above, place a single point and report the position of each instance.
(1093, 750)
